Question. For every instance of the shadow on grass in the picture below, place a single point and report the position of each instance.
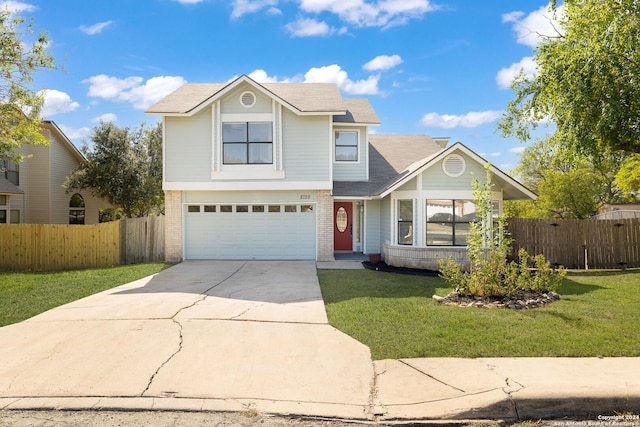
(571, 287)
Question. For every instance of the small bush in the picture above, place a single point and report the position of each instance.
(490, 273)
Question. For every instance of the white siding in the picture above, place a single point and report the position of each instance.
(306, 147)
(231, 103)
(188, 148)
(35, 181)
(385, 220)
(352, 171)
(372, 227)
(435, 179)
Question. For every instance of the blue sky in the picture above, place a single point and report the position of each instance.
(435, 67)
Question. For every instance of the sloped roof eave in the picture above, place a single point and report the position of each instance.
(428, 162)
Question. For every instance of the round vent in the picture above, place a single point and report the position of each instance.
(453, 165)
(248, 99)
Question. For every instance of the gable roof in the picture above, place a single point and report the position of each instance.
(512, 189)
(302, 98)
(64, 140)
(389, 158)
(392, 164)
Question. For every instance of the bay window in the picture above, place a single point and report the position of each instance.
(405, 222)
(448, 222)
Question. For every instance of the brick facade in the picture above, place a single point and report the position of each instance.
(325, 226)
(173, 226)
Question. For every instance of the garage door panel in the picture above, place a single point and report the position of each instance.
(247, 235)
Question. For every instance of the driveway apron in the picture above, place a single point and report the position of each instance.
(241, 333)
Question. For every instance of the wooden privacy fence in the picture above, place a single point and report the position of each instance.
(45, 247)
(583, 244)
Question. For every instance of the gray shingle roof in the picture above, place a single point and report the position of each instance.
(7, 187)
(359, 110)
(390, 158)
(305, 97)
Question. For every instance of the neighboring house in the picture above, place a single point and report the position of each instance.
(291, 171)
(31, 192)
(618, 211)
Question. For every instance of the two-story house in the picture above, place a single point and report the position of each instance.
(31, 192)
(291, 171)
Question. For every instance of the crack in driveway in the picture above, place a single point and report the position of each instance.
(432, 377)
(174, 319)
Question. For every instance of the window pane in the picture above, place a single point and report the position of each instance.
(234, 132)
(76, 201)
(3, 216)
(193, 208)
(306, 208)
(346, 153)
(3, 200)
(226, 208)
(260, 153)
(76, 216)
(405, 233)
(439, 234)
(242, 208)
(260, 132)
(347, 138)
(257, 208)
(274, 208)
(14, 216)
(440, 210)
(466, 211)
(210, 208)
(405, 222)
(235, 154)
(291, 208)
(462, 232)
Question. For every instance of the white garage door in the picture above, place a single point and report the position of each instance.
(275, 231)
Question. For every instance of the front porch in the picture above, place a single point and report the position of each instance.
(422, 258)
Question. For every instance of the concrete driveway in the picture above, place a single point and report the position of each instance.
(218, 335)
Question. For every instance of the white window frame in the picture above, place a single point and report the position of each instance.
(358, 145)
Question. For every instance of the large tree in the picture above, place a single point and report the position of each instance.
(123, 166)
(587, 81)
(20, 104)
(569, 184)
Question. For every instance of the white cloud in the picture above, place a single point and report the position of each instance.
(95, 28)
(505, 76)
(517, 150)
(106, 118)
(75, 133)
(335, 74)
(531, 28)
(307, 27)
(384, 13)
(469, 120)
(243, 7)
(133, 89)
(56, 102)
(383, 62)
(261, 76)
(17, 6)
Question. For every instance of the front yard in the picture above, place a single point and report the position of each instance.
(24, 295)
(395, 315)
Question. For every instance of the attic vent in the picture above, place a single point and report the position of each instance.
(248, 99)
(454, 165)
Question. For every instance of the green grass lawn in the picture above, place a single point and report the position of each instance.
(394, 314)
(23, 295)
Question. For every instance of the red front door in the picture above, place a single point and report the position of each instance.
(343, 226)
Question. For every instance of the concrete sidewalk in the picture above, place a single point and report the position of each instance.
(238, 336)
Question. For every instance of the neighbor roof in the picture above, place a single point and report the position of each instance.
(301, 97)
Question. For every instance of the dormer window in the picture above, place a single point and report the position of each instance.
(346, 146)
(247, 143)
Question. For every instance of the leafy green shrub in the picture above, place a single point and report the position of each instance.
(490, 273)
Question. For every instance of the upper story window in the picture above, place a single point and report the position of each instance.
(346, 146)
(10, 170)
(247, 143)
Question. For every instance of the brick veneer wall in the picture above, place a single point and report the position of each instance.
(173, 226)
(325, 226)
